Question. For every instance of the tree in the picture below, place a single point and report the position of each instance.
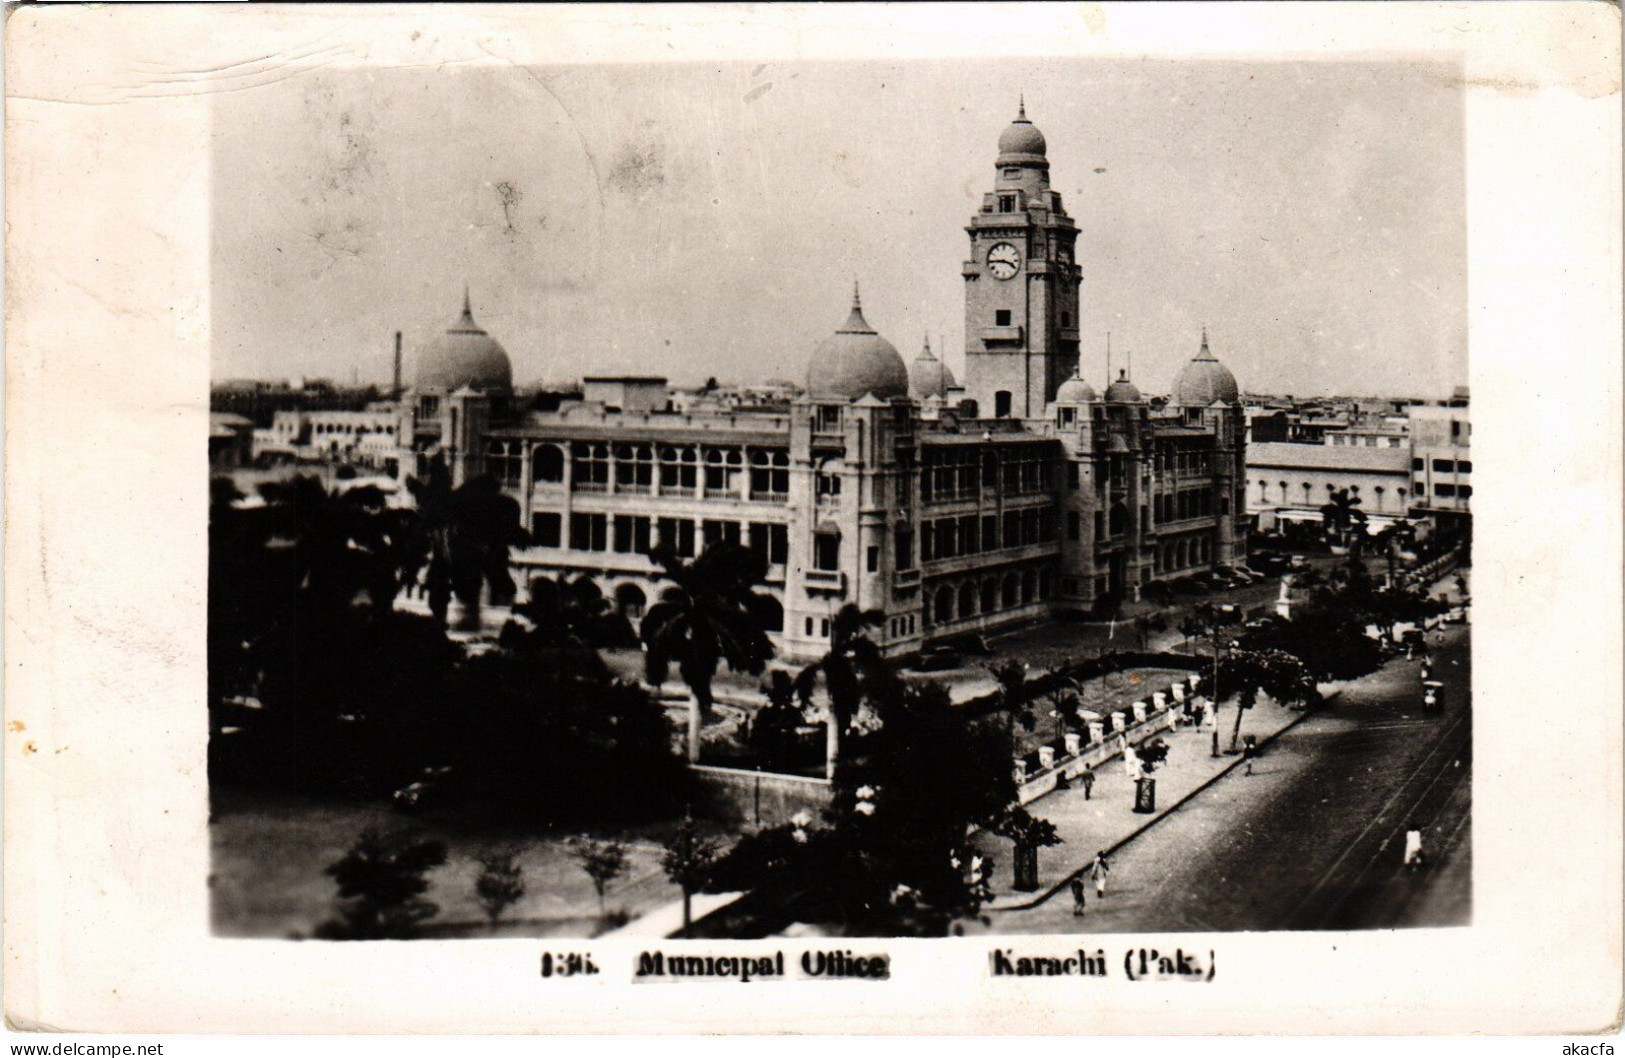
(500, 884)
(1342, 515)
(1029, 833)
(688, 861)
(711, 614)
(381, 884)
(1247, 673)
(604, 861)
(342, 540)
(1012, 696)
(460, 540)
(852, 665)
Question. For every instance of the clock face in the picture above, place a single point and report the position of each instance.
(1003, 261)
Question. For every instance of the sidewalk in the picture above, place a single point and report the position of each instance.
(1106, 819)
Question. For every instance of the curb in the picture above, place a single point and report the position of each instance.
(1160, 816)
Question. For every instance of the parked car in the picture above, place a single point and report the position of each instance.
(938, 659)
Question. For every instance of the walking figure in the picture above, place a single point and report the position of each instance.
(1098, 870)
(1249, 753)
(1414, 859)
(1087, 777)
(1077, 898)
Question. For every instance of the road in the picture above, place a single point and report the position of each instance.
(1315, 838)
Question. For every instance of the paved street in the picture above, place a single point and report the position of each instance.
(1315, 838)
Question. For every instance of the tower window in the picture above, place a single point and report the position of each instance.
(1012, 171)
(1001, 402)
(1001, 318)
(1066, 319)
(1007, 203)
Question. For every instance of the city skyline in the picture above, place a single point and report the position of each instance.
(728, 209)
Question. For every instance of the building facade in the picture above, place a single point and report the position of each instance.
(948, 509)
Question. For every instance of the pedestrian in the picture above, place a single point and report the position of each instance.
(1077, 897)
(1413, 848)
(1249, 752)
(1087, 777)
(1098, 871)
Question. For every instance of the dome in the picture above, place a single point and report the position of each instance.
(464, 356)
(1204, 380)
(1076, 391)
(1122, 391)
(928, 376)
(854, 361)
(1022, 138)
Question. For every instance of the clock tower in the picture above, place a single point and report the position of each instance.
(1021, 285)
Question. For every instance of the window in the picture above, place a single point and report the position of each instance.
(1417, 463)
(771, 542)
(589, 532)
(428, 407)
(1074, 525)
(928, 541)
(1444, 491)
(1071, 475)
(677, 534)
(631, 534)
(679, 470)
(990, 532)
(872, 560)
(827, 417)
(1012, 172)
(769, 474)
(1444, 466)
(1464, 491)
(1066, 319)
(827, 551)
(504, 462)
(829, 478)
(718, 532)
(634, 468)
(722, 470)
(1464, 466)
(591, 468)
(1007, 203)
(903, 548)
(1001, 404)
(546, 463)
(1001, 317)
(544, 528)
(967, 534)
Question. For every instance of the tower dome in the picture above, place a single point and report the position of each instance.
(1204, 380)
(854, 361)
(1076, 391)
(928, 376)
(1022, 142)
(465, 355)
(1123, 391)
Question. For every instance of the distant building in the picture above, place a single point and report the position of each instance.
(949, 509)
(1441, 458)
(1292, 482)
(231, 441)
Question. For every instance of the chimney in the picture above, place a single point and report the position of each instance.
(396, 390)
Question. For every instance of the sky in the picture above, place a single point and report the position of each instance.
(702, 219)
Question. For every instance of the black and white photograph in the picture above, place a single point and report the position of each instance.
(805, 520)
(840, 499)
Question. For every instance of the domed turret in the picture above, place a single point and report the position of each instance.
(464, 356)
(928, 376)
(1123, 391)
(1204, 380)
(1022, 142)
(1076, 391)
(854, 361)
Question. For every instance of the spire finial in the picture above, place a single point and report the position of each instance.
(1021, 106)
(467, 307)
(857, 302)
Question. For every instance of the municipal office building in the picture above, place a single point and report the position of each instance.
(952, 506)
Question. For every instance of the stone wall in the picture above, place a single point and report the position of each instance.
(739, 796)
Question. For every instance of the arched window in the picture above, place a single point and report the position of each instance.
(1379, 491)
(1012, 590)
(1119, 519)
(630, 601)
(1029, 586)
(945, 604)
(967, 599)
(990, 595)
(771, 613)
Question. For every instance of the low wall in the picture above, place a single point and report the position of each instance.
(768, 798)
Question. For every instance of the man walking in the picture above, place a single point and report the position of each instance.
(1249, 753)
(1098, 870)
(1077, 898)
(1087, 777)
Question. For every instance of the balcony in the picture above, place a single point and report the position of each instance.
(906, 578)
(829, 581)
(996, 335)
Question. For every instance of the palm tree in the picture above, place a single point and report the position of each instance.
(710, 614)
(460, 540)
(341, 541)
(852, 664)
(1342, 514)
